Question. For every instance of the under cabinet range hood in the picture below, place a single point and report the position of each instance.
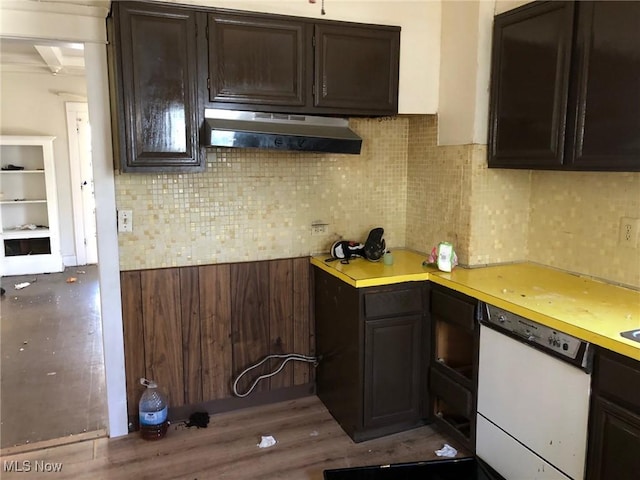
(276, 131)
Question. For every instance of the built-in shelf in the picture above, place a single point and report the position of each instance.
(17, 234)
(29, 231)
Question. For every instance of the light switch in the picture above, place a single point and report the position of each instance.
(125, 221)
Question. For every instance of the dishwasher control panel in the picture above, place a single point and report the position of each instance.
(532, 332)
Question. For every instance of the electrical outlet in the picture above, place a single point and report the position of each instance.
(318, 229)
(628, 235)
(125, 221)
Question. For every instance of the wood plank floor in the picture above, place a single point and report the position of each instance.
(308, 441)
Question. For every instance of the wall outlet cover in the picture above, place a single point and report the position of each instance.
(125, 221)
(628, 233)
(318, 229)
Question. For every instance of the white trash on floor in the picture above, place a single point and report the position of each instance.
(267, 442)
(447, 451)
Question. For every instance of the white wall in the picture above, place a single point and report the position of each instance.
(465, 68)
(458, 71)
(464, 71)
(505, 5)
(30, 106)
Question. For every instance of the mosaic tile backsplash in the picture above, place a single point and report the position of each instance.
(259, 205)
(454, 197)
(575, 220)
(567, 220)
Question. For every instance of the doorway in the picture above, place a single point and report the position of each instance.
(88, 26)
(82, 189)
(53, 369)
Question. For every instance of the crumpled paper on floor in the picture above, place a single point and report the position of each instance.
(267, 442)
(447, 451)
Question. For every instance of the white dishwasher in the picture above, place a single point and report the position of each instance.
(533, 399)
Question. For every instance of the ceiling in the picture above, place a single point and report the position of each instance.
(28, 56)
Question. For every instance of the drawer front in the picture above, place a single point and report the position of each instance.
(454, 394)
(393, 303)
(453, 309)
(619, 378)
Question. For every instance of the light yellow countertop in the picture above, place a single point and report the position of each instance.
(359, 272)
(588, 309)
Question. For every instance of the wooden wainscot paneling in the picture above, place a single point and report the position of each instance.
(190, 301)
(194, 329)
(250, 319)
(281, 318)
(133, 339)
(303, 321)
(215, 318)
(162, 319)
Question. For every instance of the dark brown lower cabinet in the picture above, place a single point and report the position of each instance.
(392, 370)
(453, 374)
(371, 341)
(194, 329)
(614, 424)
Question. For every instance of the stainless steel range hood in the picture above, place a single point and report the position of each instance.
(237, 129)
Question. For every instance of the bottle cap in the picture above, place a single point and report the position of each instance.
(148, 383)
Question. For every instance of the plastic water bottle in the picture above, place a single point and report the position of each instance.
(153, 409)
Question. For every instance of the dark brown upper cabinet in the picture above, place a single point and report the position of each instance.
(296, 65)
(154, 87)
(356, 68)
(564, 87)
(529, 85)
(258, 60)
(604, 115)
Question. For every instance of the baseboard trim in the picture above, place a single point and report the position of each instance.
(54, 442)
(182, 413)
(235, 403)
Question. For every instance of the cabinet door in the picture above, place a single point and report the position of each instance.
(606, 112)
(529, 84)
(258, 61)
(614, 442)
(392, 371)
(356, 69)
(154, 71)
